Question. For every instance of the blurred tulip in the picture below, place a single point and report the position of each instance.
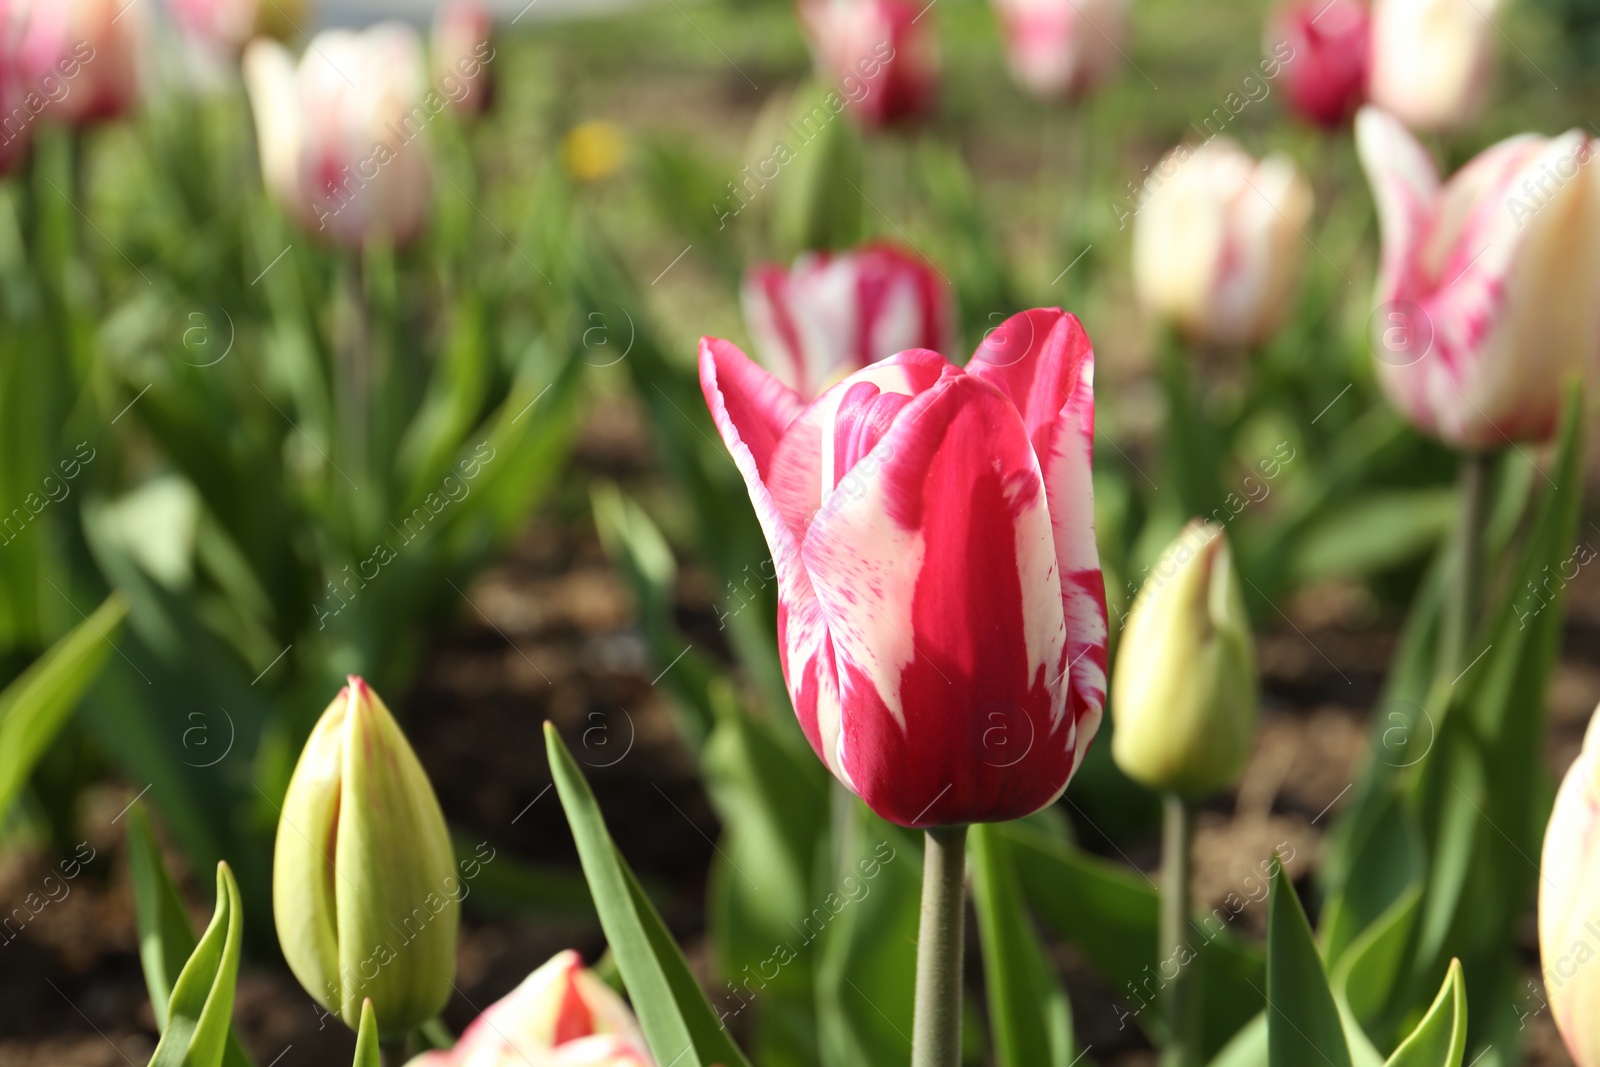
(941, 611)
(92, 48)
(365, 892)
(560, 1016)
(341, 136)
(1326, 77)
(1433, 60)
(1569, 904)
(1063, 48)
(1217, 244)
(593, 151)
(880, 54)
(228, 25)
(1183, 697)
(833, 313)
(462, 52)
(1488, 295)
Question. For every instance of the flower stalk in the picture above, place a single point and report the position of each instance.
(936, 1025)
(1182, 994)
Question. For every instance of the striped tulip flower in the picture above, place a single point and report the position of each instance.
(1433, 60)
(879, 52)
(1325, 76)
(91, 48)
(1062, 48)
(1488, 293)
(1569, 904)
(1217, 243)
(941, 612)
(462, 49)
(833, 313)
(341, 136)
(560, 1016)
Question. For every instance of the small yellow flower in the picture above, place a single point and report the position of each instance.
(594, 150)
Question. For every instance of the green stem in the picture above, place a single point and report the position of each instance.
(1181, 994)
(936, 1026)
(1466, 592)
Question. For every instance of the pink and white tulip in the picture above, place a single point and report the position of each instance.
(341, 136)
(833, 313)
(462, 49)
(941, 613)
(1325, 80)
(101, 41)
(1569, 904)
(560, 1016)
(1063, 48)
(1219, 240)
(1433, 60)
(880, 52)
(1488, 295)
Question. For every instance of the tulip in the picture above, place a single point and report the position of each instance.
(878, 51)
(831, 314)
(1569, 904)
(1432, 60)
(1325, 76)
(1489, 283)
(941, 611)
(91, 48)
(1183, 697)
(1063, 48)
(340, 136)
(1217, 243)
(462, 51)
(364, 887)
(560, 1016)
(227, 25)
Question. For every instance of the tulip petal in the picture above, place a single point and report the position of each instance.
(1405, 183)
(937, 573)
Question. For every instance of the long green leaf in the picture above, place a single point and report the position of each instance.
(1440, 1040)
(678, 1021)
(367, 1051)
(1028, 1008)
(200, 1010)
(35, 706)
(1303, 1025)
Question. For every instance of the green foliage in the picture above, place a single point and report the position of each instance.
(200, 1007)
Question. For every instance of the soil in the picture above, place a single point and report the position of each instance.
(549, 635)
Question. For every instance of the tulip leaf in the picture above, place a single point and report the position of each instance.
(677, 1020)
(1440, 1040)
(367, 1050)
(1367, 974)
(166, 938)
(1374, 532)
(200, 1009)
(1028, 1009)
(1303, 1024)
(35, 706)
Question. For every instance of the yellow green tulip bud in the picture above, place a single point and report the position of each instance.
(1183, 698)
(364, 886)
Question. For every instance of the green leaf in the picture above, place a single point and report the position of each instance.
(1028, 1009)
(677, 1020)
(1366, 977)
(1374, 532)
(1303, 1025)
(1440, 1040)
(200, 1010)
(35, 706)
(367, 1052)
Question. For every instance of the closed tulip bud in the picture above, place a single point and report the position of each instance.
(880, 53)
(1569, 904)
(941, 614)
(462, 51)
(1488, 296)
(82, 56)
(364, 886)
(1183, 697)
(1433, 60)
(560, 1016)
(1063, 48)
(341, 136)
(1321, 47)
(830, 314)
(1218, 242)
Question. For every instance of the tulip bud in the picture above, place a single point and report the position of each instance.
(1218, 241)
(92, 47)
(1432, 60)
(1183, 697)
(561, 1015)
(462, 51)
(364, 885)
(1063, 48)
(1569, 907)
(880, 53)
(1321, 47)
(1488, 297)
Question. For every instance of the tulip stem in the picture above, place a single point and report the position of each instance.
(1466, 597)
(936, 1025)
(1181, 993)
